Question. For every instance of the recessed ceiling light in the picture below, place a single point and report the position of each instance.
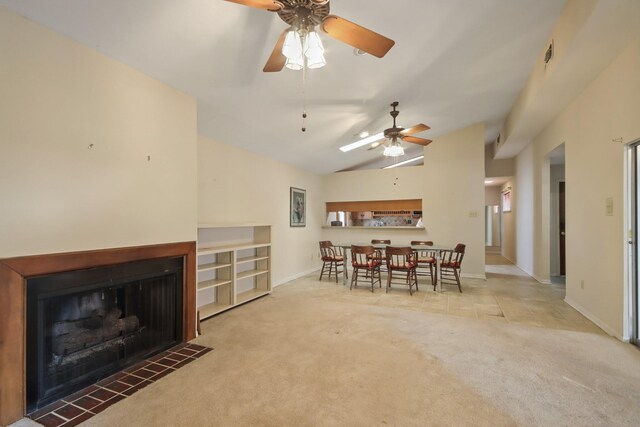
(358, 52)
(362, 142)
(488, 181)
(395, 165)
(363, 134)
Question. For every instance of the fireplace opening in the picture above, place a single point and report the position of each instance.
(85, 325)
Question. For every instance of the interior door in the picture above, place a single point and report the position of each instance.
(561, 227)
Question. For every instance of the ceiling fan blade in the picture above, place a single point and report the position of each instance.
(357, 36)
(415, 140)
(415, 129)
(277, 60)
(270, 5)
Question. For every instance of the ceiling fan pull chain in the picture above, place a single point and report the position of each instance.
(304, 96)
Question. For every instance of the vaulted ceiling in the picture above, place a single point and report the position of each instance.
(455, 63)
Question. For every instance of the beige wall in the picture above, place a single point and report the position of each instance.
(237, 186)
(451, 184)
(58, 195)
(509, 238)
(607, 109)
(491, 196)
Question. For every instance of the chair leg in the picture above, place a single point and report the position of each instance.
(322, 271)
(457, 274)
(336, 270)
(389, 275)
(431, 273)
(435, 278)
(415, 278)
(372, 275)
(354, 277)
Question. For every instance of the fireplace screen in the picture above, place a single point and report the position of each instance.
(86, 325)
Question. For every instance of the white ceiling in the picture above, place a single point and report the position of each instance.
(455, 63)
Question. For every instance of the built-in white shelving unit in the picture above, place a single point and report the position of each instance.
(234, 266)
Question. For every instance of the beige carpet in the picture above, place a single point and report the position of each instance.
(315, 354)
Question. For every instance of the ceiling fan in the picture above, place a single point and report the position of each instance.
(300, 46)
(392, 147)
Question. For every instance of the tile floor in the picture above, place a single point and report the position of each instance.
(80, 406)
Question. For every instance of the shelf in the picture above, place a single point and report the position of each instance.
(212, 283)
(250, 259)
(226, 248)
(212, 266)
(222, 250)
(251, 273)
(209, 310)
(249, 295)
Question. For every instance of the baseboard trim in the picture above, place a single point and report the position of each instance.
(540, 279)
(294, 277)
(602, 325)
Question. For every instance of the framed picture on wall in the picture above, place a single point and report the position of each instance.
(506, 201)
(297, 207)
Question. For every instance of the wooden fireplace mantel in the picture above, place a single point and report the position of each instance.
(14, 273)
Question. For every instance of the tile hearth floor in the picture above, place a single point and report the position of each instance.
(84, 404)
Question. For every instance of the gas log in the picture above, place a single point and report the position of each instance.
(71, 336)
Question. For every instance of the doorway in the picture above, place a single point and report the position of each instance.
(492, 228)
(557, 223)
(634, 210)
(561, 229)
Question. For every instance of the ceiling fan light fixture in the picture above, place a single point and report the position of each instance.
(292, 47)
(303, 48)
(393, 150)
(313, 47)
(295, 64)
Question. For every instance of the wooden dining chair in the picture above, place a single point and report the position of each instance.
(451, 265)
(383, 256)
(426, 259)
(401, 259)
(366, 263)
(334, 258)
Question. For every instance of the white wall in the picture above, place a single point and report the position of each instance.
(451, 184)
(522, 202)
(509, 223)
(238, 186)
(492, 196)
(56, 99)
(607, 109)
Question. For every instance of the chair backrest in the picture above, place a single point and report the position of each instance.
(326, 250)
(423, 248)
(399, 256)
(456, 255)
(362, 255)
(380, 242)
(459, 253)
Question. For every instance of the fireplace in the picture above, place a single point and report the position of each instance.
(69, 319)
(87, 324)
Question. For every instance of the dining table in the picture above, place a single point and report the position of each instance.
(346, 247)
